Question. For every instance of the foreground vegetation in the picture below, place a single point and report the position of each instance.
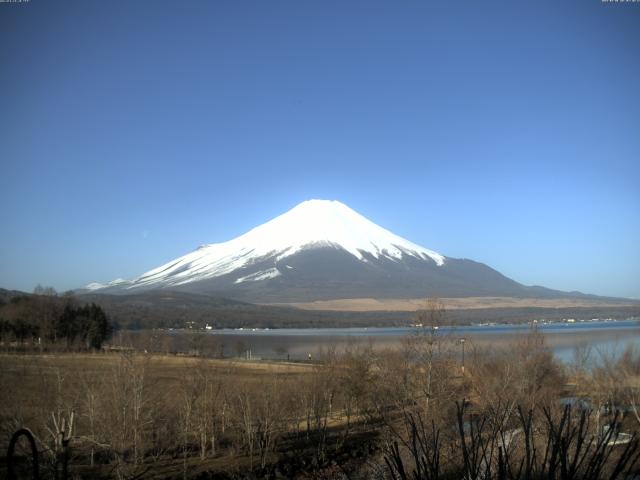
(415, 412)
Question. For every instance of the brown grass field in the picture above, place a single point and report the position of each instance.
(30, 393)
(338, 414)
(413, 304)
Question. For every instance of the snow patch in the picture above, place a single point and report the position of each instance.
(113, 283)
(255, 277)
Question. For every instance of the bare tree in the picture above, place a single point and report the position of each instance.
(203, 397)
(130, 407)
(624, 383)
(317, 394)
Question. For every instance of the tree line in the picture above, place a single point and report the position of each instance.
(46, 320)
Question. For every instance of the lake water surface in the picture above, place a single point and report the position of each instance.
(601, 337)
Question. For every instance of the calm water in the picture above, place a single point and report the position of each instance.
(599, 337)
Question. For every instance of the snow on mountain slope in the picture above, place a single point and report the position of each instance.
(118, 282)
(314, 223)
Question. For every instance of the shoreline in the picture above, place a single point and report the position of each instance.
(488, 327)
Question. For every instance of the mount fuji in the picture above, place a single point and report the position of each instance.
(322, 250)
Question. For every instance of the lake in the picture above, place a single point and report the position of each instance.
(602, 337)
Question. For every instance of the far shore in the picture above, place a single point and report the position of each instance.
(462, 303)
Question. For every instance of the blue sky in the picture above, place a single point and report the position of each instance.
(506, 132)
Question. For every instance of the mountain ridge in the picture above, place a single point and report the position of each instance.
(322, 250)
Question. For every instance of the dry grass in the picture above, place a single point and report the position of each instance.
(413, 304)
(16, 368)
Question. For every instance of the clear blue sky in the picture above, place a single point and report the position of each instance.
(506, 132)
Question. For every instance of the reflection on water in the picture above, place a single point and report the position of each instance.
(595, 338)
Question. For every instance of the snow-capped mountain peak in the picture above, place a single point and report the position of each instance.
(310, 224)
(322, 250)
(330, 222)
